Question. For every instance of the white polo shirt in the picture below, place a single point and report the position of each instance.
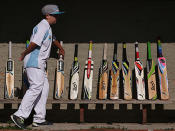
(42, 36)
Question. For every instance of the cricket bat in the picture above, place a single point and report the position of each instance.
(25, 83)
(59, 86)
(162, 71)
(114, 76)
(88, 75)
(9, 75)
(126, 74)
(46, 69)
(103, 83)
(151, 76)
(74, 76)
(139, 75)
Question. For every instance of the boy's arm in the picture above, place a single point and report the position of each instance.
(30, 48)
(61, 50)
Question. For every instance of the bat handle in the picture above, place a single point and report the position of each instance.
(137, 51)
(105, 52)
(61, 43)
(115, 51)
(76, 51)
(90, 50)
(10, 49)
(159, 48)
(124, 51)
(149, 50)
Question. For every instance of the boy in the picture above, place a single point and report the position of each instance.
(35, 57)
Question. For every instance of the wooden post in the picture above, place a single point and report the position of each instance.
(144, 114)
(81, 114)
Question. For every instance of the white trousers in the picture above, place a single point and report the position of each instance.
(36, 96)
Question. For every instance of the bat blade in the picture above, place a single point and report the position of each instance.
(74, 76)
(139, 72)
(152, 92)
(88, 81)
(47, 69)
(74, 86)
(103, 83)
(9, 77)
(126, 81)
(88, 75)
(59, 86)
(25, 83)
(114, 81)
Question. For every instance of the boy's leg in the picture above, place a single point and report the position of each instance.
(40, 107)
(36, 80)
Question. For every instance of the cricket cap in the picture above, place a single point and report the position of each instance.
(51, 9)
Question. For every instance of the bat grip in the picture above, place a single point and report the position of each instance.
(159, 49)
(105, 52)
(115, 51)
(76, 50)
(10, 50)
(137, 51)
(61, 43)
(149, 50)
(124, 51)
(90, 50)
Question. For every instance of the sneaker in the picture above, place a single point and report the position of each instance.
(19, 121)
(35, 124)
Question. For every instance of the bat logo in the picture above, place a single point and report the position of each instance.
(104, 86)
(75, 69)
(153, 85)
(162, 64)
(103, 68)
(89, 69)
(74, 86)
(125, 67)
(114, 67)
(139, 67)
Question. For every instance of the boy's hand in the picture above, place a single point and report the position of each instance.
(61, 52)
(22, 56)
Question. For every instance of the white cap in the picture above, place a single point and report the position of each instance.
(51, 9)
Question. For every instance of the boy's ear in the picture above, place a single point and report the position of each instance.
(47, 16)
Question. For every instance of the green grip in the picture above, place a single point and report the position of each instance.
(149, 50)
